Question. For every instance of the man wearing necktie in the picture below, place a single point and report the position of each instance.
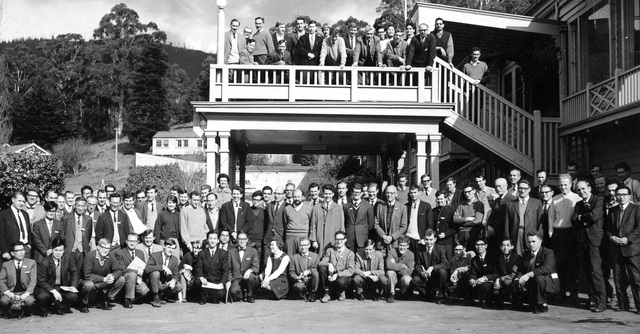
(163, 273)
(56, 271)
(245, 265)
(431, 268)
(233, 213)
(45, 230)
(18, 278)
(326, 220)
(134, 287)
(303, 272)
(114, 224)
(14, 226)
(359, 219)
(390, 220)
(369, 274)
(482, 274)
(538, 274)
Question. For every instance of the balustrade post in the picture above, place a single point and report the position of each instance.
(617, 92)
(354, 84)
(537, 140)
(212, 83)
(292, 84)
(211, 152)
(422, 75)
(435, 82)
(588, 106)
(224, 84)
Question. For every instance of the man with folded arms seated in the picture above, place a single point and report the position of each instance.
(57, 280)
(303, 271)
(245, 264)
(431, 268)
(162, 269)
(336, 268)
(508, 263)
(212, 270)
(102, 273)
(134, 286)
(369, 273)
(538, 276)
(400, 263)
(459, 265)
(482, 274)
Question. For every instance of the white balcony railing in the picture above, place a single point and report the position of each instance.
(326, 83)
(618, 91)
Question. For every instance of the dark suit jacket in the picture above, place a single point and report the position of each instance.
(123, 255)
(104, 227)
(240, 266)
(358, 225)
(486, 268)
(355, 50)
(304, 47)
(9, 229)
(535, 192)
(425, 217)
(214, 269)
(143, 210)
(443, 218)
(42, 239)
(545, 265)
(255, 223)
(275, 57)
(69, 222)
(498, 213)
(370, 55)
(155, 264)
(629, 228)
(69, 275)
(591, 218)
(288, 41)
(438, 259)
(275, 222)
(93, 271)
(299, 264)
(510, 268)
(377, 263)
(531, 218)
(421, 54)
(397, 226)
(456, 199)
(227, 216)
(28, 276)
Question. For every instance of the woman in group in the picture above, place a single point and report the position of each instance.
(168, 222)
(275, 275)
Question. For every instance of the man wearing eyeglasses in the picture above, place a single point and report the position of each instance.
(523, 216)
(303, 272)
(33, 206)
(336, 268)
(468, 216)
(624, 233)
(243, 276)
(103, 274)
(482, 274)
(390, 220)
(427, 193)
(422, 49)
(18, 279)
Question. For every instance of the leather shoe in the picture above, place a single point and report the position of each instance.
(312, 298)
(84, 309)
(540, 309)
(343, 296)
(44, 314)
(127, 303)
(391, 298)
(439, 301)
(251, 300)
(60, 311)
(599, 309)
(326, 298)
(156, 302)
(376, 298)
(360, 297)
(202, 302)
(106, 306)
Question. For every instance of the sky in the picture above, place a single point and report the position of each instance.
(188, 23)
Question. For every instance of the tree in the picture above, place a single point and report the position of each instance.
(392, 13)
(6, 125)
(343, 25)
(178, 90)
(200, 90)
(164, 177)
(20, 170)
(73, 153)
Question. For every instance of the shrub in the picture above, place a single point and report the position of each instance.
(20, 170)
(73, 152)
(163, 177)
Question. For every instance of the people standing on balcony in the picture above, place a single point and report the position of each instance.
(334, 51)
(264, 42)
(326, 30)
(280, 35)
(422, 49)
(396, 52)
(296, 57)
(351, 45)
(410, 32)
(234, 44)
(514, 177)
(309, 46)
(280, 57)
(384, 38)
(247, 32)
(444, 42)
(624, 171)
(369, 46)
(541, 175)
(477, 69)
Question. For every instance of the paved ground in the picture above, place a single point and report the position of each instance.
(351, 316)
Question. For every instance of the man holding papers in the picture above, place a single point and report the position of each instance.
(57, 280)
(162, 269)
(132, 260)
(212, 270)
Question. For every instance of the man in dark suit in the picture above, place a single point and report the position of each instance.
(541, 174)
(309, 46)
(422, 49)
(588, 221)
(295, 38)
(279, 56)
(245, 265)
(45, 230)
(495, 222)
(419, 218)
(303, 271)
(523, 216)
(55, 271)
(102, 273)
(232, 214)
(508, 264)
(369, 273)
(442, 216)
(134, 286)
(431, 268)
(624, 233)
(113, 224)
(454, 195)
(546, 198)
(390, 220)
(163, 272)
(352, 46)
(538, 273)
(280, 35)
(234, 43)
(14, 226)
(275, 222)
(212, 270)
(18, 278)
(78, 232)
(482, 274)
(358, 219)
(369, 49)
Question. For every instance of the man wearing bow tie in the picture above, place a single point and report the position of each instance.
(243, 276)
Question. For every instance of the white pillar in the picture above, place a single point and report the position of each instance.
(421, 154)
(434, 157)
(224, 151)
(212, 152)
(220, 53)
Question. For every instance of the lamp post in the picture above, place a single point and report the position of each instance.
(220, 53)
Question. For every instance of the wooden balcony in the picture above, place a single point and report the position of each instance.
(603, 100)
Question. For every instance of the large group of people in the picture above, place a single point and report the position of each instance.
(513, 244)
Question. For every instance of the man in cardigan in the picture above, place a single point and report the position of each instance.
(297, 218)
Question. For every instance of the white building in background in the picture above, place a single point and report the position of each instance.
(183, 141)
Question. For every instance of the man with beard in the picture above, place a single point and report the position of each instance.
(296, 218)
